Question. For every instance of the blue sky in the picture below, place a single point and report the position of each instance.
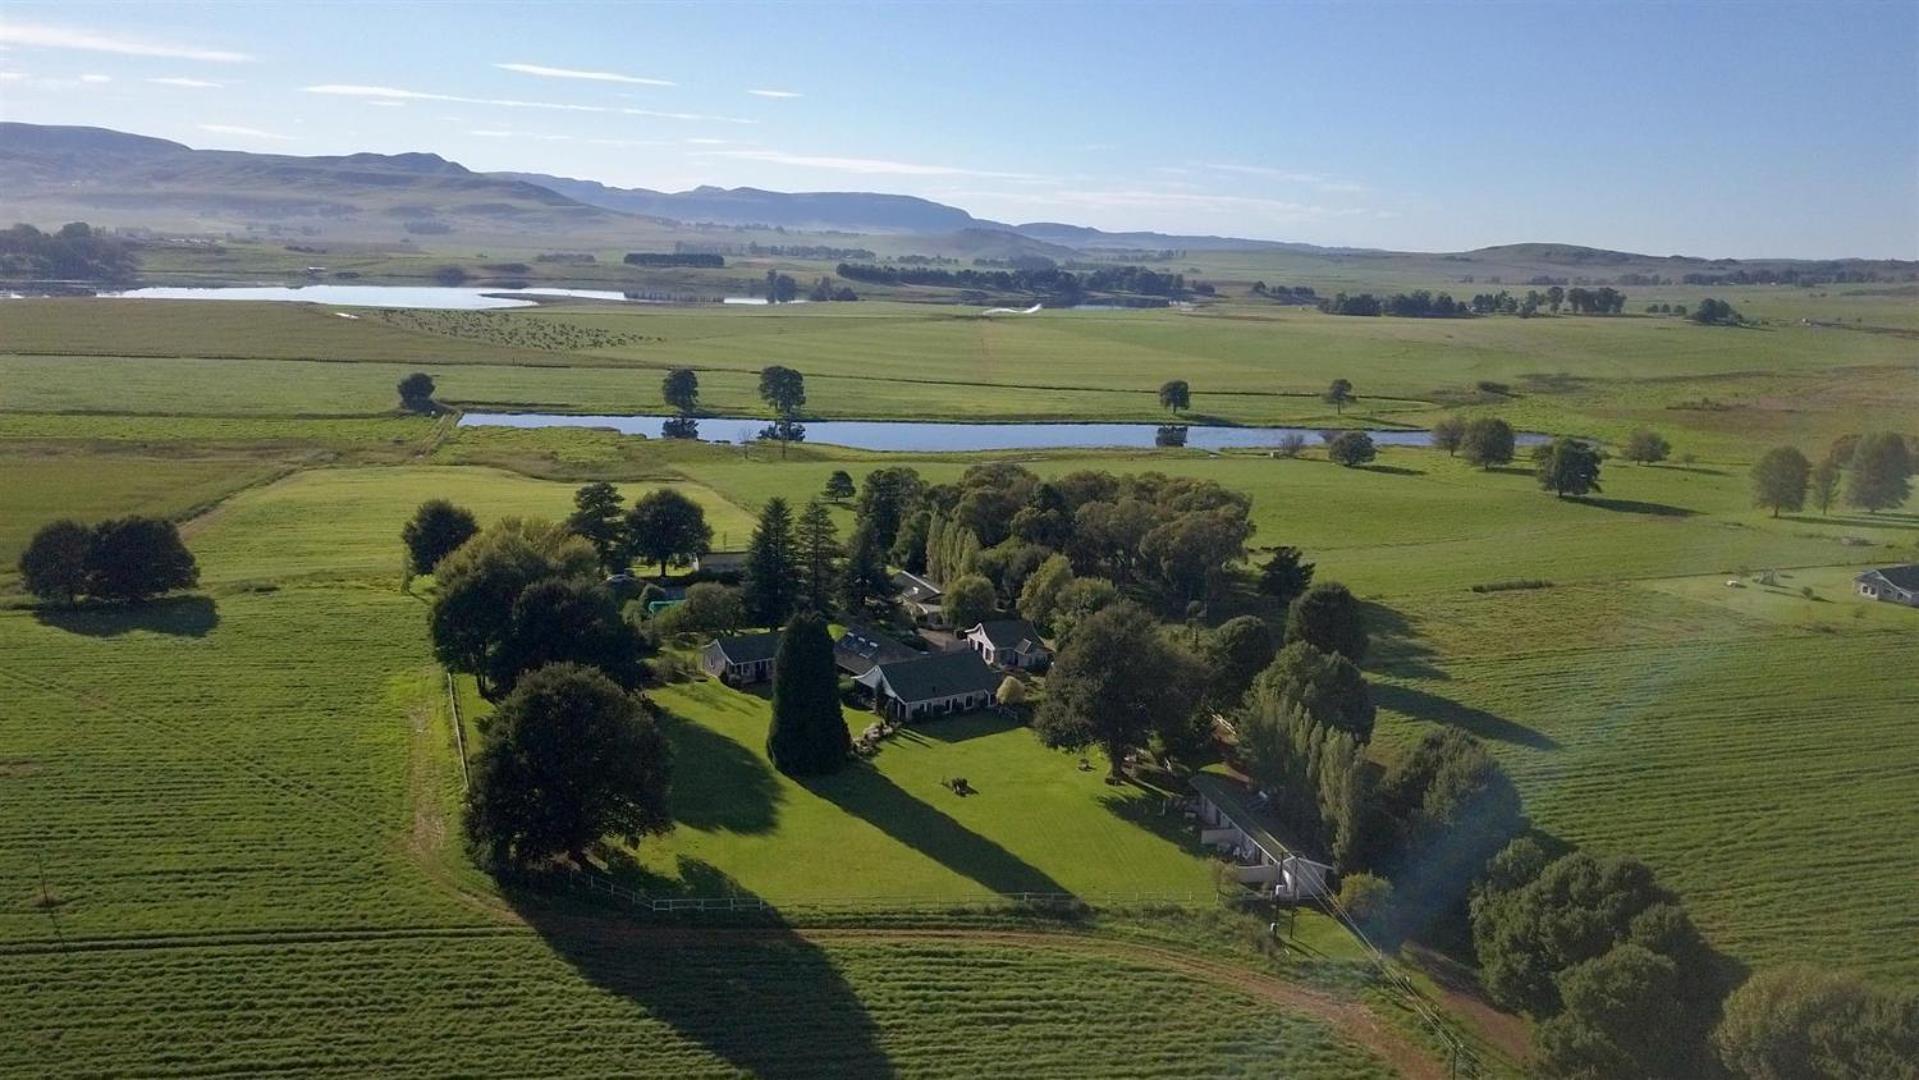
(1743, 129)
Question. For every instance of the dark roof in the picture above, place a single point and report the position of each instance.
(861, 647)
(940, 675)
(914, 587)
(1905, 577)
(721, 561)
(1240, 806)
(1010, 634)
(748, 648)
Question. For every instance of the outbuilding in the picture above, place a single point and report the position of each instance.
(1895, 584)
(1010, 643)
(861, 648)
(937, 685)
(742, 659)
(1232, 820)
(921, 599)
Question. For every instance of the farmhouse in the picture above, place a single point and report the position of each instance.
(861, 648)
(1230, 819)
(920, 598)
(1010, 643)
(742, 659)
(937, 685)
(1898, 584)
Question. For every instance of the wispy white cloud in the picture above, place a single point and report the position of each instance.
(390, 93)
(865, 166)
(188, 83)
(774, 93)
(245, 132)
(384, 104)
(1320, 181)
(41, 36)
(13, 76)
(574, 73)
(96, 79)
(708, 142)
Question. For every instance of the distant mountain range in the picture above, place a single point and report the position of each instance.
(50, 175)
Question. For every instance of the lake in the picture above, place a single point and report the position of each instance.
(436, 297)
(942, 437)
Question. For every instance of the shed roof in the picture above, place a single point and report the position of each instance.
(1017, 634)
(1236, 802)
(748, 648)
(861, 647)
(1905, 577)
(916, 588)
(941, 675)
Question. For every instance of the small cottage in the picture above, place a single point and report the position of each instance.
(861, 648)
(921, 599)
(937, 685)
(1010, 643)
(1232, 820)
(1897, 584)
(742, 659)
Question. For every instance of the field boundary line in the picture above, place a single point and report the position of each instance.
(459, 729)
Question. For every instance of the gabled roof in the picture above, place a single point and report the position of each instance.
(915, 588)
(1904, 577)
(861, 647)
(1017, 635)
(748, 648)
(940, 675)
(1236, 802)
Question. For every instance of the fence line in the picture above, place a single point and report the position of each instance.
(459, 730)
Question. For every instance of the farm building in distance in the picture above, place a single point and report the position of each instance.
(1897, 584)
(1231, 819)
(1010, 643)
(937, 685)
(741, 659)
(920, 598)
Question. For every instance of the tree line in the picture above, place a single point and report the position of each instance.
(1041, 281)
(1872, 472)
(122, 560)
(74, 252)
(1423, 304)
(662, 259)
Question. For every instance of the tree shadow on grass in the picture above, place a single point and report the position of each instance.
(1159, 816)
(718, 785)
(1434, 709)
(1906, 522)
(1698, 469)
(757, 995)
(1633, 506)
(177, 616)
(1393, 470)
(959, 729)
(1397, 645)
(873, 797)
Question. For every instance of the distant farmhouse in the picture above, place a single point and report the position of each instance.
(937, 685)
(1010, 643)
(741, 659)
(921, 599)
(1898, 584)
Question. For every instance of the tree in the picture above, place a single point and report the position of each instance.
(1803, 1021)
(1079, 600)
(1824, 484)
(436, 530)
(1443, 810)
(1328, 617)
(865, 585)
(783, 389)
(1555, 296)
(681, 389)
(665, 527)
(54, 565)
(1327, 685)
(1881, 473)
(1351, 448)
(1234, 655)
(709, 608)
(137, 558)
(1779, 480)
(819, 554)
(1187, 554)
(1339, 395)
(1488, 441)
(839, 486)
(1117, 681)
(559, 620)
(596, 519)
(884, 499)
(1040, 595)
(1618, 1020)
(1285, 576)
(1567, 467)
(1646, 447)
(1176, 395)
(970, 600)
(772, 566)
(416, 393)
(566, 759)
(808, 735)
(1448, 433)
(1711, 311)
(479, 582)
(1317, 775)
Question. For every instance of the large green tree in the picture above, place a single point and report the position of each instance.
(1039, 596)
(1339, 395)
(1234, 655)
(1488, 441)
(1779, 480)
(558, 620)
(885, 498)
(567, 758)
(416, 393)
(772, 566)
(666, 527)
(1823, 484)
(1567, 467)
(1117, 682)
(1449, 432)
(1327, 685)
(681, 389)
(1176, 396)
(137, 558)
(819, 558)
(1285, 576)
(970, 600)
(1805, 1021)
(436, 530)
(479, 582)
(1646, 447)
(1328, 616)
(1880, 476)
(596, 519)
(1351, 448)
(865, 585)
(783, 389)
(808, 735)
(54, 565)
